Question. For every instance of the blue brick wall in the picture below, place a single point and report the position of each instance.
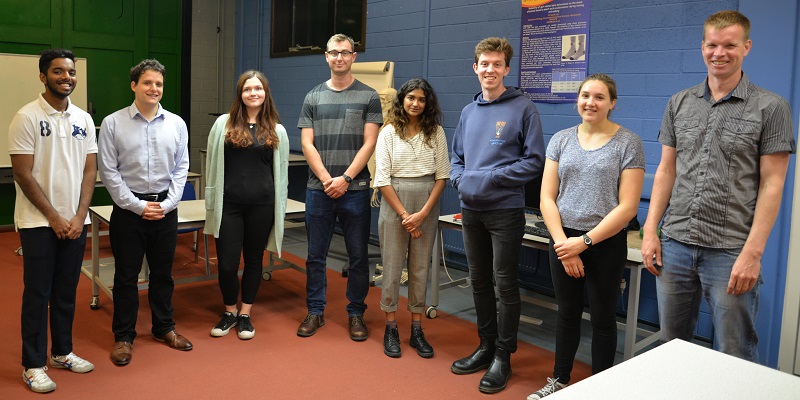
(651, 47)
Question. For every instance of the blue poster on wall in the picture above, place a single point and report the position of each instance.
(555, 49)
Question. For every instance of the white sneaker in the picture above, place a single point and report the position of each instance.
(71, 362)
(37, 380)
(553, 385)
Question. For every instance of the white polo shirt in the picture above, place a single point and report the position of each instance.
(59, 143)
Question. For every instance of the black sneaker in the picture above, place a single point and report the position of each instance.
(226, 321)
(246, 330)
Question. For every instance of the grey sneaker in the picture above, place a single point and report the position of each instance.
(553, 385)
(37, 380)
(72, 363)
(226, 321)
(245, 327)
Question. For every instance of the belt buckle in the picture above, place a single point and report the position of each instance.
(151, 197)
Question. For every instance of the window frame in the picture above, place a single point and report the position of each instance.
(279, 41)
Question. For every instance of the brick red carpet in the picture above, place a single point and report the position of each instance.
(276, 364)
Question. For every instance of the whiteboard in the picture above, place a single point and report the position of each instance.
(20, 85)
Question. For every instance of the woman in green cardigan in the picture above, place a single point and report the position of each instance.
(246, 187)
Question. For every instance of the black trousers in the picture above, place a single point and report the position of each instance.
(603, 265)
(132, 239)
(51, 271)
(244, 229)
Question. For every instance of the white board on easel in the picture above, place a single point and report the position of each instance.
(20, 85)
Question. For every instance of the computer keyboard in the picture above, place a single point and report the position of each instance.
(537, 229)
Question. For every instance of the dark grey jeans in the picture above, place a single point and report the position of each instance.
(492, 240)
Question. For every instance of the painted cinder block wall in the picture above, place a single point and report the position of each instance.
(650, 47)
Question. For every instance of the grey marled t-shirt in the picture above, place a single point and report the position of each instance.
(338, 119)
(589, 179)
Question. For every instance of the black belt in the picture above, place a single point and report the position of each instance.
(157, 197)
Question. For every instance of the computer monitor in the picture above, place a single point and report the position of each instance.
(532, 195)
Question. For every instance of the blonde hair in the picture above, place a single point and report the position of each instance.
(726, 18)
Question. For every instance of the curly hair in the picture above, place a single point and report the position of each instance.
(147, 65)
(431, 116)
(238, 127)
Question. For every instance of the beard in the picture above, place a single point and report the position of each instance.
(57, 91)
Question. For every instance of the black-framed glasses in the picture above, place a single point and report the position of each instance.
(344, 54)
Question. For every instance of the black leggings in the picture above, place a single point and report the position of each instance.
(244, 229)
(603, 265)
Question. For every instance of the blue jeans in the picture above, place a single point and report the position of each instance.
(354, 215)
(691, 272)
(492, 241)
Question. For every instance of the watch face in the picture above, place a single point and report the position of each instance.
(587, 240)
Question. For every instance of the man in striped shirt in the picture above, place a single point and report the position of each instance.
(725, 151)
(339, 122)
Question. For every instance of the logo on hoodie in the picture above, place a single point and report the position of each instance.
(498, 130)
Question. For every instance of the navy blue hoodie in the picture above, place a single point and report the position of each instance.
(498, 146)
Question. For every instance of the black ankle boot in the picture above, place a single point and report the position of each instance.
(391, 342)
(478, 360)
(499, 371)
(418, 342)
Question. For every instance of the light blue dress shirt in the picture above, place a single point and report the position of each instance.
(137, 155)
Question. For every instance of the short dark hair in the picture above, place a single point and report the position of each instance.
(47, 56)
(147, 65)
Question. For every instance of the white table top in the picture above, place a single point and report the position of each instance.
(634, 242)
(682, 370)
(192, 211)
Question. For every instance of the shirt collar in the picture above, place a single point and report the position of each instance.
(740, 91)
(133, 111)
(49, 110)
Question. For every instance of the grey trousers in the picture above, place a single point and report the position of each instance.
(399, 251)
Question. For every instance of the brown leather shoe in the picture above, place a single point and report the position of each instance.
(122, 353)
(358, 328)
(310, 324)
(176, 341)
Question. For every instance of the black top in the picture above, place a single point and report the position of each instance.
(248, 173)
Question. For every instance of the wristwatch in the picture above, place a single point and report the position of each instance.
(347, 178)
(587, 240)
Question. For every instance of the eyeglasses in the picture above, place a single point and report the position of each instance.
(334, 53)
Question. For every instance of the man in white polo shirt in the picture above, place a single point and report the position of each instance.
(53, 152)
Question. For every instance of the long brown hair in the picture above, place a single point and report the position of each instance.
(431, 116)
(238, 128)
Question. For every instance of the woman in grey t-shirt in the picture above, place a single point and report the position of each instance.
(591, 187)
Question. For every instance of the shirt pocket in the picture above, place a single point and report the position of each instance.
(739, 135)
(354, 121)
(687, 133)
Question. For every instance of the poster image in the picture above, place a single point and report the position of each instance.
(555, 49)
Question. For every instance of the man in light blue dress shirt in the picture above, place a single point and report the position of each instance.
(144, 160)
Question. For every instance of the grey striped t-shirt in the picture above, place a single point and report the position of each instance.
(589, 179)
(338, 119)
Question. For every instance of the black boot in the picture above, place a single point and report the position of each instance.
(478, 360)
(391, 342)
(418, 342)
(497, 376)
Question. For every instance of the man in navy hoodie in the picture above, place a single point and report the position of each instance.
(497, 148)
